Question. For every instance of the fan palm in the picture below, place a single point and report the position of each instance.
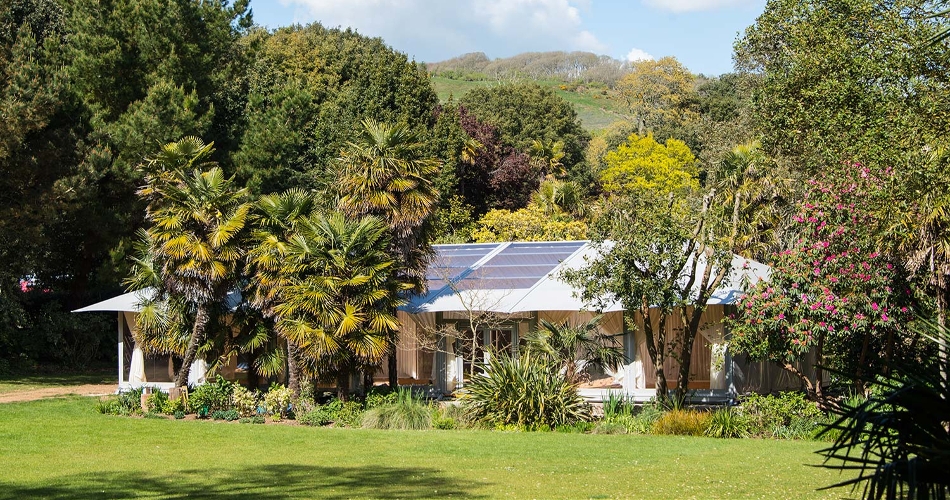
(196, 238)
(276, 218)
(339, 299)
(384, 174)
(565, 344)
(752, 194)
(554, 195)
(917, 229)
(547, 156)
(898, 439)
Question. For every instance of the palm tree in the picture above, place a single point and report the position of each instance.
(752, 197)
(920, 231)
(554, 196)
(196, 238)
(338, 302)
(897, 439)
(565, 344)
(547, 156)
(276, 218)
(384, 174)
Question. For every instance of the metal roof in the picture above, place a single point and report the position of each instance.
(508, 277)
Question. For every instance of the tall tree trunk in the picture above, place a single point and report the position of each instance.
(293, 369)
(197, 338)
(943, 350)
(656, 347)
(342, 384)
(367, 380)
(819, 371)
(253, 378)
(393, 371)
(686, 351)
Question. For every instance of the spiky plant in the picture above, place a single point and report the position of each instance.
(527, 392)
(898, 439)
(565, 344)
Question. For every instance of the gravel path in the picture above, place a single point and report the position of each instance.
(50, 392)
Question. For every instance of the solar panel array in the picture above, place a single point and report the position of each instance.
(517, 266)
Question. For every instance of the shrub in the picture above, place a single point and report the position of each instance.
(244, 401)
(126, 403)
(443, 423)
(179, 414)
(788, 414)
(381, 397)
(229, 415)
(315, 417)
(107, 406)
(173, 406)
(208, 398)
(252, 420)
(339, 413)
(682, 423)
(277, 401)
(156, 402)
(728, 423)
(526, 392)
(456, 413)
(131, 402)
(409, 412)
(617, 405)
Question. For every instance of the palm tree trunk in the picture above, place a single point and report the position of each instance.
(342, 384)
(393, 373)
(293, 370)
(197, 338)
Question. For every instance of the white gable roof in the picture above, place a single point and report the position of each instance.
(525, 276)
(508, 277)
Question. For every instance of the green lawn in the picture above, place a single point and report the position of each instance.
(61, 448)
(40, 381)
(595, 110)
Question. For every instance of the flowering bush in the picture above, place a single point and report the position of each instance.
(832, 292)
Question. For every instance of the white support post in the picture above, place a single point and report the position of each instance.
(121, 348)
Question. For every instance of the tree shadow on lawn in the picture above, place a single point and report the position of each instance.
(263, 482)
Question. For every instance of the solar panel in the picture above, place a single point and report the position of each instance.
(451, 261)
(519, 265)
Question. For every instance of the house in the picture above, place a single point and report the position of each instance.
(497, 292)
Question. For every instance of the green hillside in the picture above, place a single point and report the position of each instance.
(596, 107)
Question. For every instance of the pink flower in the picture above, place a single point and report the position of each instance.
(874, 306)
(884, 317)
(781, 316)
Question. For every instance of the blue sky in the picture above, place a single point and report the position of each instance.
(699, 33)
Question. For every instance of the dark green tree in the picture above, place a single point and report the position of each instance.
(310, 88)
(526, 112)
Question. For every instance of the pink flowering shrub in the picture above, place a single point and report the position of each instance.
(831, 292)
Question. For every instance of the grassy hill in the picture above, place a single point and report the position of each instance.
(595, 106)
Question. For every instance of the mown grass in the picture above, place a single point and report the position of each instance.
(61, 448)
(44, 380)
(594, 109)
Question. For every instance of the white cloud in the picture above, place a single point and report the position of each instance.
(437, 29)
(696, 5)
(636, 54)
